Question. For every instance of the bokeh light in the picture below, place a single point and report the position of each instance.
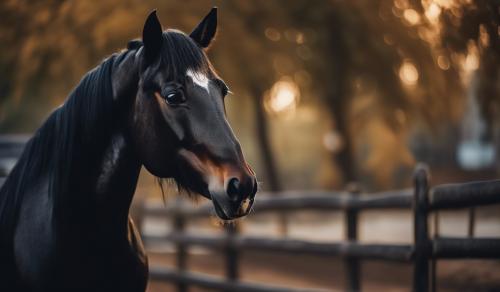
(411, 16)
(443, 63)
(472, 59)
(433, 11)
(408, 73)
(283, 97)
(332, 141)
(272, 34)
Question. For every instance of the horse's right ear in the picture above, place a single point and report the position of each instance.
(206, 29)
(152, 37)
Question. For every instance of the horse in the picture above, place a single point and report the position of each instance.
(64, 208)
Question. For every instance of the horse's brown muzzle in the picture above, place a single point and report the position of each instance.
(237, 199)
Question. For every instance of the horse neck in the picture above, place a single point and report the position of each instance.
(119, 167)
(101, 189)
(115, 183)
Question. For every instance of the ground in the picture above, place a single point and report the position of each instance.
(300, 271)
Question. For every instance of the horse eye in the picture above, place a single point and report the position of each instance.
(174, 97)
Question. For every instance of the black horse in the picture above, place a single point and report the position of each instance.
(64, 209)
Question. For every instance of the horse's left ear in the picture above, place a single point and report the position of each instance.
(206, 29)
(152, 37)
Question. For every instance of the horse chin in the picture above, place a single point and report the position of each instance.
(228, 210)
(220, 211)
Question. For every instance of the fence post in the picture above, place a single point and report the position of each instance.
(433, 260)
(421, 235)
(472, 220)
(232, 255)
(179, 227)
(351, 228)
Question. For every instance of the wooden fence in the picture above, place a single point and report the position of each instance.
(423, 253)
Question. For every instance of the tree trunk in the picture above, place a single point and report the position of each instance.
(272, 180)
(338, 101)
(343, 158)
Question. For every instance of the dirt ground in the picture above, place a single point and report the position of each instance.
(299, 271)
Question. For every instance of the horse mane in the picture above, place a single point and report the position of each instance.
(181, 50)
(66, 141)
(179, 53)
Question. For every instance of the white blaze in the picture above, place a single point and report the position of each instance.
(199, 79)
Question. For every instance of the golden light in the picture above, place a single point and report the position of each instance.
(299, 38)
(333, 141)
(408, 73)
(432, 12)
(447, 3)
(272, 34)
(411, 16)
(283, 97)
(471, 62)
(472, 59)
(443, 63)
(484, 38)
(401, 4)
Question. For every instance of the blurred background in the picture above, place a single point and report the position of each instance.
(325, 94)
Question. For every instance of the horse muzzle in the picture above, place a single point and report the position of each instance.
(227, 210)
(236, 200)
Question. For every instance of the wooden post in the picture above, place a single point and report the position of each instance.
(232, 255)
(351, 228)
(422, 245)
(283, 223)
(433, 260)
(179, 227)
(472, 220)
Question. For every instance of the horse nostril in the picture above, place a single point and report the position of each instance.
(233, 188)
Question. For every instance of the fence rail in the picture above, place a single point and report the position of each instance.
(459, 248)
(202, 280)
(344, 249)
(423, 253)
(464, 195)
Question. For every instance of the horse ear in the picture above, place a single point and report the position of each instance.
(206, 29)
(152, 37)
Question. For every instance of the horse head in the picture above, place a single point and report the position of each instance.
(178, 120)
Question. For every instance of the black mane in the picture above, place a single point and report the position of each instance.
(181, 50)
(65, 142)
(180, 53)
